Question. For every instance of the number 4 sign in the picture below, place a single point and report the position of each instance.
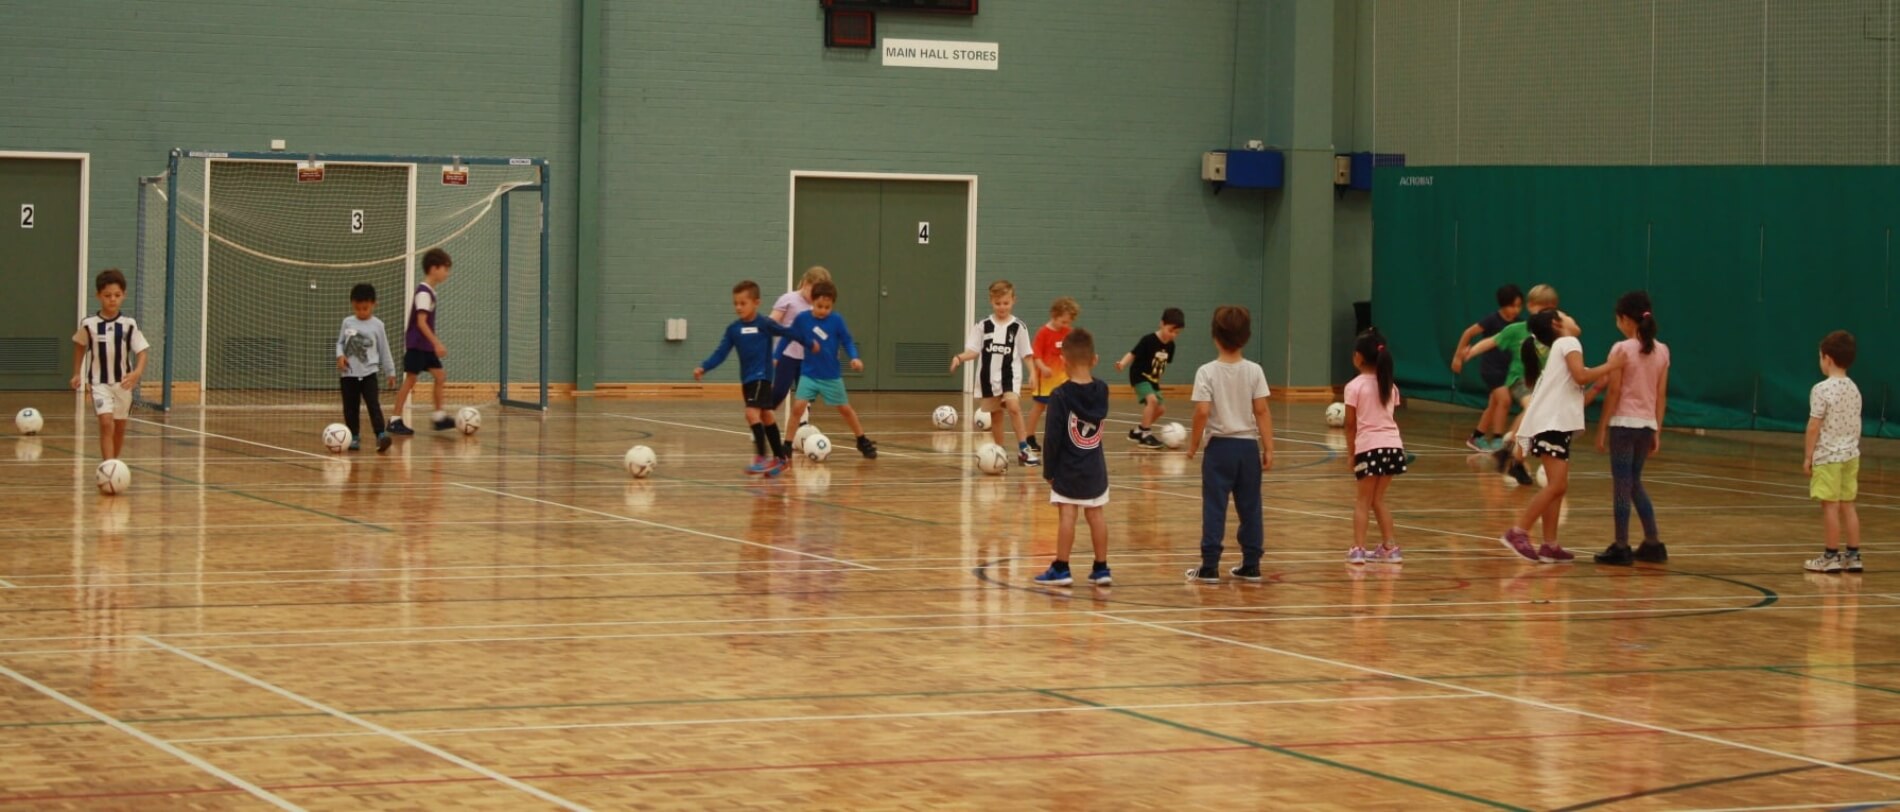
(26, 215)
(923, 233)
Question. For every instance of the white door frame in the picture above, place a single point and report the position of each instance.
(85, 211)
(969, 247)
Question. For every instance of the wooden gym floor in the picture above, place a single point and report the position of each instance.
(507, 622)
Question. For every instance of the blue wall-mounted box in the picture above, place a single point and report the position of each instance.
(1256, 169)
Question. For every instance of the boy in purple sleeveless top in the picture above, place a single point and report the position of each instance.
(422, 347)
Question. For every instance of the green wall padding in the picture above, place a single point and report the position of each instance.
(1748, 267)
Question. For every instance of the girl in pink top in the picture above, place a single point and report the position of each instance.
(1373, 445)
(1631, 427)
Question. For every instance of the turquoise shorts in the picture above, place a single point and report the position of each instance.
(811, 389)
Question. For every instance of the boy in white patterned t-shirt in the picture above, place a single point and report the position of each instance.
(1833, 453)
(114, 346)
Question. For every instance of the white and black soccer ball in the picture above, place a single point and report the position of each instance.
(1336, 415)
(817, 447)
(336, 437)
(980, 419)
(29, 421)
(992, 459)
(944, 418)
(468, 420)
(640, 461)
(113, 477)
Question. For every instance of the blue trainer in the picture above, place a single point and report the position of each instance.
(1055, 577)
(1100, 577)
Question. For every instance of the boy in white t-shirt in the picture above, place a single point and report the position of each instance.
(116, 347)
(999, 345)
(1833, 453)
(789, 360)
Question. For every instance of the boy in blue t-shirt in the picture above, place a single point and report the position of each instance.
(822, 376)
(752, 335)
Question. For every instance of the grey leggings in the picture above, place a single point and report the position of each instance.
(1629, 449)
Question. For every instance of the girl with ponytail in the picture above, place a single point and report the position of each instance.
(1373, 445)
(1631, 427)
(1554, 415)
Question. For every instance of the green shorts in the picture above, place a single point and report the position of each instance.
(1520, 391)
(1145, 390)
(1836, 481)
(811, 389)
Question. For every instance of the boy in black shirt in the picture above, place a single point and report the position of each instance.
(1489, 435)
(1145, 363)
(1073, 461)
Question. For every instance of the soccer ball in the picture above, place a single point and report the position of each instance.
(805, 432)
(29, 421)
(1336, 415)
(817, 447)
(1543, 479)
(945, 417)
(980, 419)
(992, 459)
(640, 461)
(1173, 435)
(113, 477)
(336, 437)
(469, 420)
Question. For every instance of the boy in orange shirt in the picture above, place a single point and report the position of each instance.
(1048, 345)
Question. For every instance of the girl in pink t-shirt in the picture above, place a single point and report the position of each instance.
(1373, 445)
(1631, 427)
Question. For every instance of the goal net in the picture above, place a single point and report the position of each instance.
(246, 262)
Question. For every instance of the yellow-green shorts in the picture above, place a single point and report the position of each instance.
(1836, 481)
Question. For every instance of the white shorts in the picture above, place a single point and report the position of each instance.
(113, 399)
(1059, 499)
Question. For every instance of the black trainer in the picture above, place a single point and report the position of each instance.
(1134, 435)
(1204, 575)
(1652, 552)
(444, 423)
(1522, 476)
(867, 448)
(1247, 572)
(396, 427)
(1616, 555)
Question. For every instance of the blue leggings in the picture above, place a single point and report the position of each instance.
(785, 376)
(1230, 468)
(1629, 448)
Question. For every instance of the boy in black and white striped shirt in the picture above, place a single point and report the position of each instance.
(998, 345)
(116, 349)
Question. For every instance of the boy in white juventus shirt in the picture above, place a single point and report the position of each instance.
(999, 344)
(116, 349)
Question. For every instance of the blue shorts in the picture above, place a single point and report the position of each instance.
(416, 362)
(811, 389)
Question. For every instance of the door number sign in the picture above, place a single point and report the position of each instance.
(26, 215)
(356, 221)
(923, 233)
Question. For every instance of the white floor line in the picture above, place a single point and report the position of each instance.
(1315, 514)
(661, 526)
(1801, 486)
(1509, 698)
(168, 427)
(788, 439)
(1789, 807)
(1664, 480)
(375, 729)
(256, 791)
(8, 584)
(846, 717)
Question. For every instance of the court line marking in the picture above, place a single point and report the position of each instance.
(1506, 697)
(1841, 806)
(1789, 485)
(1664, 480)
(168, 427)
(259, 792)
(376, 729)
(841, 717)
(881, 452)
(8, 584)
(1265, 506)
(659, 525)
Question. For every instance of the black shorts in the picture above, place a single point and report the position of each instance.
(1494, 378)
(1552, 444)
(1378, 462)
(416, 362)
(757, 394)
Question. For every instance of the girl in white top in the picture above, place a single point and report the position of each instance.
(1555, 414)
(791, 355)
(1373, 446)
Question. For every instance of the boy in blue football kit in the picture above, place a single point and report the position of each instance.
(752, 335)
(823, 377)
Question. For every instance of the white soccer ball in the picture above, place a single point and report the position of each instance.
(1336, 415)
(1173, 435)
(1543, 479)
(817, 447)
(29, 421)
(640, 461)
(336, 437)
(945, 417)
(992, 459)
(981, 420)
(468, 420)
(113, 477)
(805, 432)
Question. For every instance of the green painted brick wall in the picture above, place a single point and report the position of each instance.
(128, 81)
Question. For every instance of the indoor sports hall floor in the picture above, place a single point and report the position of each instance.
(508, 622)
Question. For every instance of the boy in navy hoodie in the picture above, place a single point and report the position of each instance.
(1073, 461)
(752, 336)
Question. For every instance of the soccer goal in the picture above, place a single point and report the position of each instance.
(246, 261)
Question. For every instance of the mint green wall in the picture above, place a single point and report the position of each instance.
(1087, 141)
(129, 81)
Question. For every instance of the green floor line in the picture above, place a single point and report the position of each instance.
(1451, 793)
(970, 692)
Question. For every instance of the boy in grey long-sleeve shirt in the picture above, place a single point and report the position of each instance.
(362, 352)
